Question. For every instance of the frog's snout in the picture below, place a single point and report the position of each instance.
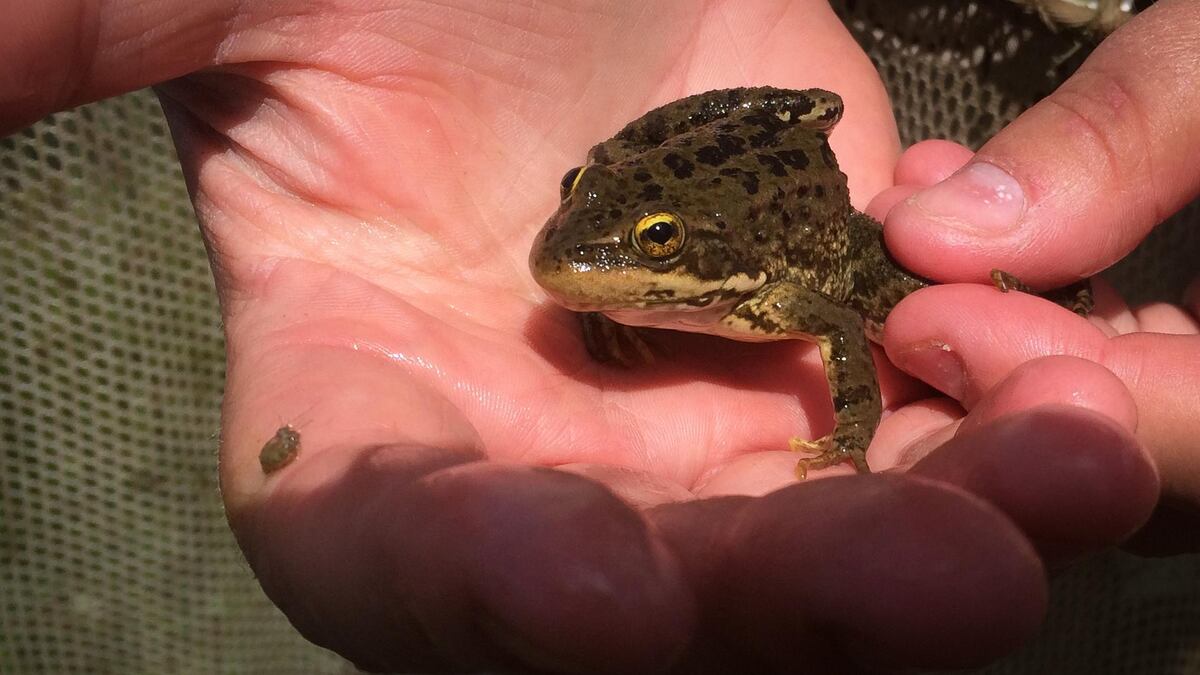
(563, 273)
(578, 274)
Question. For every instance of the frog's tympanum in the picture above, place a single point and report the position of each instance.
(726, 213)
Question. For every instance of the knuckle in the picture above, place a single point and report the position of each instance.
(1105, 114)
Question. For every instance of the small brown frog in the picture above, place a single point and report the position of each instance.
(726, 213)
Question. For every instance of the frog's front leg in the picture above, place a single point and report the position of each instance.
(610, 342)
(785, 309)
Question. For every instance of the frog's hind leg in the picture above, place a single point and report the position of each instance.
(1006, 282)
(1076, 297)
(614, 343)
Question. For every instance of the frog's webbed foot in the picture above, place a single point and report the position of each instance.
(611, 342)
(844, 445)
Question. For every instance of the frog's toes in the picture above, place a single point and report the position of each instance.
(827, 452)
(818, 446)
(1006, 282)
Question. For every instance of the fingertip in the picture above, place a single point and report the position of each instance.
(885, 201)
(569, 577)
(1073, 479)
(1057, 380)
(964, 338)
(884, 570)
(931, 161)
(1162, 317)
(404, 565)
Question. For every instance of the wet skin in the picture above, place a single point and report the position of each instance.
(725, 213)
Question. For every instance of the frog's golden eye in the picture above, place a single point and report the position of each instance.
(570, 180)
(659, 235)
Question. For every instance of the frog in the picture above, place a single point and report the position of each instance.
(726, 213)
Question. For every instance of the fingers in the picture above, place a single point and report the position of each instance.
(882, 570)
(1051, 445)
(61, 54)
(1075, 182)
(416, 560)
(927, 333)
(969, 350)
(1073, 479)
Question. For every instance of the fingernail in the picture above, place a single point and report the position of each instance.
(980, 198)
(937, 364)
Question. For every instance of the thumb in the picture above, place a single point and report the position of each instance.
(65, 53)
(1078, 180)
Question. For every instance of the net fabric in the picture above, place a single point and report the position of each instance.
(114, 553)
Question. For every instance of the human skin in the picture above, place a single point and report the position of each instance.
(472, 491)
(1093, 168)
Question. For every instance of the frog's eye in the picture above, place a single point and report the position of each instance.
(659, 235)
(569, 180)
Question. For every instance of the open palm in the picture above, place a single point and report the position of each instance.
(384, 205)
(369, 175)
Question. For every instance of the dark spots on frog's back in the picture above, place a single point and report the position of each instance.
(827, 153)
(710, 155)
(764, 139)
(793, 158)
(748, 179)
(657, 129)
(731, 145)
(773, 164)
(681, 166)
(650, 192)
(642, 175)
(726, 146)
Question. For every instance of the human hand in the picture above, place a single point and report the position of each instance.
(1061, 193)
(368, 178)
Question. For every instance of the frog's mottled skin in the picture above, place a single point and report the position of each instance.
(770, 247)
